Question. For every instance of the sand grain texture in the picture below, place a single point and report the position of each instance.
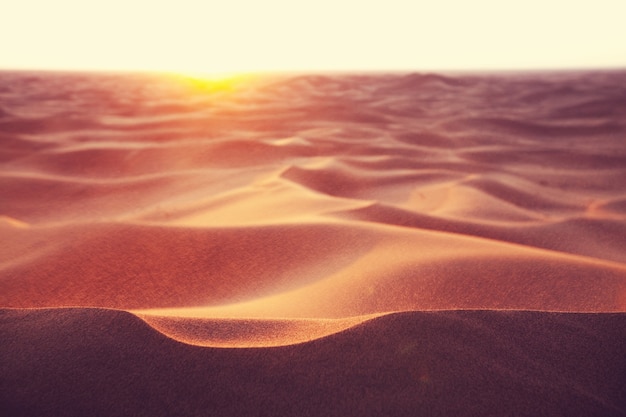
(374, 244)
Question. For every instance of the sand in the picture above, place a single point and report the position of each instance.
(330, 244)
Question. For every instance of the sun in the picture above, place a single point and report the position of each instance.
(213, 82)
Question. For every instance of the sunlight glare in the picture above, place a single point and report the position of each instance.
(213, 82)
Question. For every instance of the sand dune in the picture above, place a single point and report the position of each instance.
(373, 244)
(103, 362)
(397, 269)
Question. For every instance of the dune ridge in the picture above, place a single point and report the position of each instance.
(400, 244)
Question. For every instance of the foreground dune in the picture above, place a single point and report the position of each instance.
(382, 244)
(104, 362)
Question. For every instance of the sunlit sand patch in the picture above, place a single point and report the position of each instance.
(10, 221)
(268, 199)
(290, 141)
(437, 271)
(606, 209)
(460, 201)
(247, 332)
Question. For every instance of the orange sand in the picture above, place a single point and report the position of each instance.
(321, 240)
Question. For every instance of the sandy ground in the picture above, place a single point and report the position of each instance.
(372, 244)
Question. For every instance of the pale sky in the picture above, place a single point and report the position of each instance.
(247, 35)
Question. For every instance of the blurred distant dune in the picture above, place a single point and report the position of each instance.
(345, 244)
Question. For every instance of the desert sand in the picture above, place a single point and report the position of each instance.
(313, 244)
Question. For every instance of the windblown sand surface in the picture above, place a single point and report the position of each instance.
(313, 245)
